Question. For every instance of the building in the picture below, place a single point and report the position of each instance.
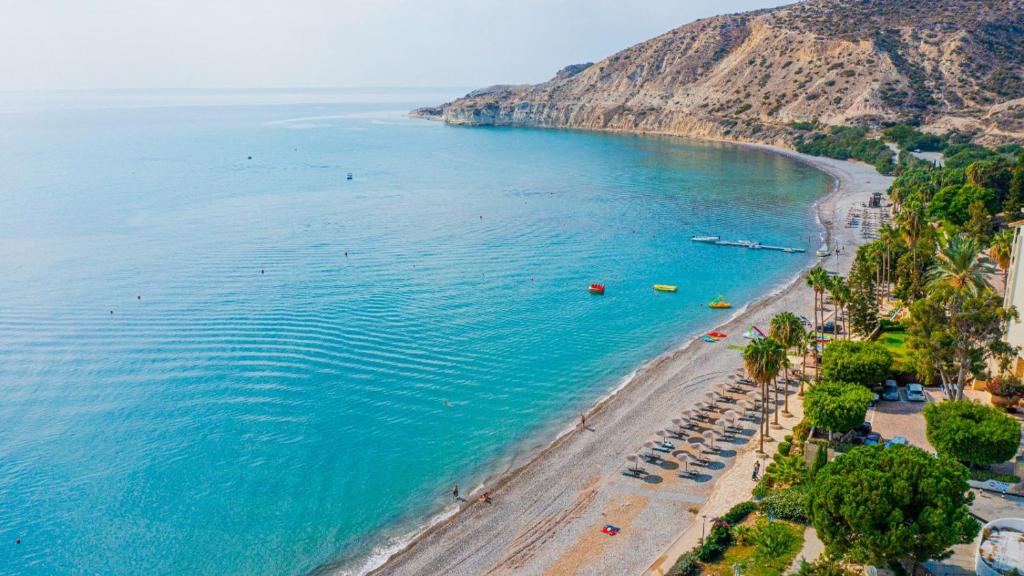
(1001, 552)
(1014, 295)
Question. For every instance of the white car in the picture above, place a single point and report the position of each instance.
(915, 393)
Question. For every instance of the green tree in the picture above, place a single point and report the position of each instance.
(961, 265)
(862, 304)
(836, 406)
(879, 505)
(972, 433)
(951, 334)
(860, 362)
(1015, 192)
(762, 359)
(979, 223)
(817, 279)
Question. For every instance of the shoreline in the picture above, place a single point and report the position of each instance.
(395, 557)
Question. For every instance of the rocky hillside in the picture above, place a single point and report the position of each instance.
(946, 64)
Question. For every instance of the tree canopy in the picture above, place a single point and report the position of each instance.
(836, 406)
(878, 505)
(972, 432)
(865, 363)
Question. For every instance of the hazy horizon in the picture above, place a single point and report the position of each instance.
(266, 44)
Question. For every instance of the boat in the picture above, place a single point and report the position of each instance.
(718, 335)
(348, 176)
(719, 303)
(596, 289)
(665, 288)
(705, 238)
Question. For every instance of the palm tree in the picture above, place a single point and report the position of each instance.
(762, 359)
(1000, 252)
(817, 278)
(912, 222)
(960, 264)
(808, 343)
(788, 331)
(890, 238)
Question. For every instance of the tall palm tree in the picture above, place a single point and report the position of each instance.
(1000, 252)
(817, 279)
(788, 331)
(808, 343)
(762, 359)
(890, 238)
(960, 264)
(912, 223)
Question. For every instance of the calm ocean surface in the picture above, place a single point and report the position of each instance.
(261, 403)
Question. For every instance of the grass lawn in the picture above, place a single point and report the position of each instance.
(770, 563)
(895, 341)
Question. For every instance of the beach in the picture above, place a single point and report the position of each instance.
(546, 514)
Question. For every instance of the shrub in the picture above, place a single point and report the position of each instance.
(972, 432)
(837, 406)
(866, 363)
(1007, 385)
(789, 504)
(820, 460)
(775, 540)
(785, 471)
(686, 565)
(823, 566)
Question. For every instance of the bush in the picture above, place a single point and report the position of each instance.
(785, 471)
(785, 447)
(686, 565)
(820, 460)
(866, 363)
(775, 540)
(837, 406)
(824, 566)
(972, 432)
(1006, 386)
(789, 504)
(984, 475)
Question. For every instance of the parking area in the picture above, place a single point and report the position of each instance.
(901, 417)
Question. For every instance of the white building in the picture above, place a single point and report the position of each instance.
(1015, 295)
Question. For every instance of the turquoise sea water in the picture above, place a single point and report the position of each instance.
(196, 379)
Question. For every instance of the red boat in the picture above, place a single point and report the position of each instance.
(716, 335)
(596, 289)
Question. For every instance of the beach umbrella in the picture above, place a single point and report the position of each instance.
(711, 396)
(709, 438)
(665, 435)
(685, 459)
(651, 446)
(635, 461)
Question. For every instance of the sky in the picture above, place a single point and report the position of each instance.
(159, 44)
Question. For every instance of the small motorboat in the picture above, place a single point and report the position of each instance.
(596, 289)
(348, 176)
(705, 238)
(666, 288)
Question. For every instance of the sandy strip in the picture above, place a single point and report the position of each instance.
(546, 512)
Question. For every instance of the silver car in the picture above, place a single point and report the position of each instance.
(915, 393)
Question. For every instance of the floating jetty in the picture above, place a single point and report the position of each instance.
(746, 244)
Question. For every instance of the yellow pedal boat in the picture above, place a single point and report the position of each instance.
(719, 303)
(665, 288)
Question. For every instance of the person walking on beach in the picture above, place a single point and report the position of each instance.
(583, 420)
(455, 493)
(757, 470)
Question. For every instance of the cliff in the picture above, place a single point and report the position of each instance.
(945, 64)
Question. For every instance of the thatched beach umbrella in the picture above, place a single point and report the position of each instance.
(709, 438)
(665, 435)
(635, 462)
(651, 446)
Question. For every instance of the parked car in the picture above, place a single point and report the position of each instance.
(831, 327)
(915, 393)
(891, 391)
(873, 439)
(897, 441)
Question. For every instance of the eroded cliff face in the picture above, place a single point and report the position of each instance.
(948, 64)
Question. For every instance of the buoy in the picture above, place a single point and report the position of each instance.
(111, 311)
(250, 157)
(346, 253)
(138, 297)
(18, 541)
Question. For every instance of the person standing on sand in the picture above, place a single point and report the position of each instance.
(455, 493)
(757, 470)
(583, 420)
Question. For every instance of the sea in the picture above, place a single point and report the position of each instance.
(220, 354)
